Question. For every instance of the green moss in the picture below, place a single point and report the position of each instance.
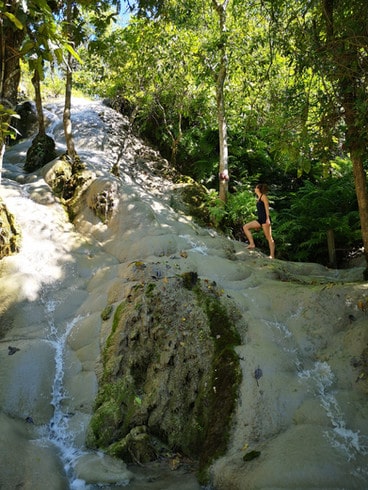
(10, 235)
(136, 446)
(113, 412)
(118, 313)
(189, 279)
(117, 316)
(226, 378)
(249, 456)
(201, 402)
(150, 288)
(106, 312)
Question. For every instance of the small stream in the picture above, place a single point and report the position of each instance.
(352, 444)
(319, 380)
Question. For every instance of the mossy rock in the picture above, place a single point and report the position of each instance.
(192, 199)
(10, 235)
(250, 455)
(137, 447)
(107, 312)
(170, 366)
(41, 151)
(111, 418)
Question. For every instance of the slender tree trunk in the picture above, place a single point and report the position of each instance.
(360, 180)
(175, 140)
(345, 55)
(68, 88)
(2, 151)
(38, 98)
(224, 154)
(356, 144)
(10, 41)
(220, 99)
(70, 148)
(357, 148)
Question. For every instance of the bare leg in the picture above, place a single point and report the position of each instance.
(267, 230)
(250, 226)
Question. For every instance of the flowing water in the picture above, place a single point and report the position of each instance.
(47, 391)
(51, 297)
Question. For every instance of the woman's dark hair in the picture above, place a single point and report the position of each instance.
(263, 188)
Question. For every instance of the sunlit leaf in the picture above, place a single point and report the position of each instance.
(14, 19)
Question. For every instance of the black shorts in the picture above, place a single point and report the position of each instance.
(262, 220)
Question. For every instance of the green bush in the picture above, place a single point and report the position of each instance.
(300, 230)
(301, 218)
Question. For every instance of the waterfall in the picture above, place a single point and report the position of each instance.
(305, 418)
(51, 389)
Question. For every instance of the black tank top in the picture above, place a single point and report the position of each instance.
(261, 211)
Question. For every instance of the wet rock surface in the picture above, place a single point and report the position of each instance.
(10, 233)
(169, 369)
(137, 299)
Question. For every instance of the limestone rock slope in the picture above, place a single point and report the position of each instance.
(178, 322)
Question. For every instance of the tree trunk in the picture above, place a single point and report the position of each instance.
(70, 148)
(345, 54)
(224, 155)
(10, 41)
(220, 99)
(356, 143)
(360, 180)
(331, 248)
(2, 151)
(38, 98)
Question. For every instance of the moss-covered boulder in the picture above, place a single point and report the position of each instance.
(27, 122)
(10, 235)
(361, 365)
(192, 198)
(136, 447)
(79, 187)
(169, 367)
(41, 151)
(68, 181)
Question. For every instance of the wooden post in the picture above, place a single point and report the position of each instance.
(331, 247)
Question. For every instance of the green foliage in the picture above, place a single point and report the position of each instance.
(241, 207)
(285, 124)
(217, 209)
(6, 130)
(54, 86)
(229, 217)
(301, 226)
(301, 217)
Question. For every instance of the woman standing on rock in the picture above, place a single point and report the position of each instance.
(263, 221)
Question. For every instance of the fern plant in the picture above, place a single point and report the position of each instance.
(316, 208)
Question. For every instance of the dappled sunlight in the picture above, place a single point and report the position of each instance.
(157, 206)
